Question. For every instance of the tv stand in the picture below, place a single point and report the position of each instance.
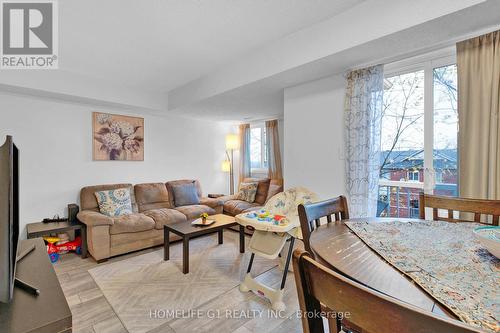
(25, 252)
(49, 311)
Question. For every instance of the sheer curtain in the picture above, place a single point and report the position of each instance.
(273, 150)
(478, 64)
(363, 113)
(245, 169)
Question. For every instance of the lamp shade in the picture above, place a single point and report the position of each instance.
(226, 166)
(232, 141)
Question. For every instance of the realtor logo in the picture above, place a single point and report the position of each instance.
(29, 35)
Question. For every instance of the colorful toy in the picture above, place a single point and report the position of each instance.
(264, 216)
(54, 250)
(52, 240)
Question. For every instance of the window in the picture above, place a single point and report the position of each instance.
(258, 148)
(413, 176)
(445, 161)
(419, 135)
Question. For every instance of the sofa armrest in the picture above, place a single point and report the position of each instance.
(227, 198)
(214, 195)
(92, 219)
(211, 202)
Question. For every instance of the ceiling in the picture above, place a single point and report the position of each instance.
(231, 59)
(263, 99)
(249, 103)
(158, 45)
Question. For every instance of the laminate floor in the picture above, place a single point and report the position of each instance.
(236, 311)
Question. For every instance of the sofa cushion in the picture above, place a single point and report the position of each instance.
(211, 202)
(131, 223)
(262, 188)
(185, 194)
(247, 192)
(235, 207)
(194, 211)
(171, 183)
(151, 196)
(114, 202)
(273, 190)
(88, 200)
(163, 216)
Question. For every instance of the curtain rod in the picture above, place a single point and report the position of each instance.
(261, 120)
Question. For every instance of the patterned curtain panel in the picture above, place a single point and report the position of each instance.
(273, 150)
(363, 113)
(245, 169)
(478, 64)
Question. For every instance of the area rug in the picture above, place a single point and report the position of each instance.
(144, 291)
(446, 260)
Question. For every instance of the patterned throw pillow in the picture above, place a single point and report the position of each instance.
(114, 202)
(247, 192)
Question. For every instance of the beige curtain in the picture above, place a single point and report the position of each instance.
(245, 170)
(478, 62)
(273, 150)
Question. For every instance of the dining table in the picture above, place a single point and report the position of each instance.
(340, 249)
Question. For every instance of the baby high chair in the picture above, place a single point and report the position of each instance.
(274, 225)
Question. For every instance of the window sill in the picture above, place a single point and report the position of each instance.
(395, 183)
(262, 173)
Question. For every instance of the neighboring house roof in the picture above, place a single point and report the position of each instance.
(414, 159)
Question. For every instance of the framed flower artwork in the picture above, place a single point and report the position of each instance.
(117, 138)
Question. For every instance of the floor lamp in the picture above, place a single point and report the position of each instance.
(228, 164)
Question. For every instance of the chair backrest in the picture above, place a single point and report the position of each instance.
(311, 214)
(476, 206)
(319, 287)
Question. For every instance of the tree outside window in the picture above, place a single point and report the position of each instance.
(403, 135)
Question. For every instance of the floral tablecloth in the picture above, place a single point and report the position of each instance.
(446, 260)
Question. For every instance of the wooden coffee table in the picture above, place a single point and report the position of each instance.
(187, 231)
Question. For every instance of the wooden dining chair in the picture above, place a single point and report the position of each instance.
(311, 214)
(477, 207)
(366, 309)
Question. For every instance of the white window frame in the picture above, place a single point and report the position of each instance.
(263, 169)
(411, 175)
(427, 63)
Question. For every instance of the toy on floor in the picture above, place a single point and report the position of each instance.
(275, 225)
(55, 250)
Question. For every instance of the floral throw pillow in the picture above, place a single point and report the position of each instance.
(114, 202)
(247, 192)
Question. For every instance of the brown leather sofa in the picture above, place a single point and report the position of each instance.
(266, 188)
(153, 206)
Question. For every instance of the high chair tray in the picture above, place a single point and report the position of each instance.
(264, 224)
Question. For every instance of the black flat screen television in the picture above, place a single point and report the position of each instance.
(9, 217)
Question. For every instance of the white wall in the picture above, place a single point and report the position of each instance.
(314, 136)
(55, 142)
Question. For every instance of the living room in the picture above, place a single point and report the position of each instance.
(182, 166)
